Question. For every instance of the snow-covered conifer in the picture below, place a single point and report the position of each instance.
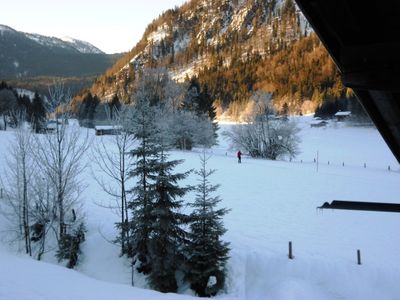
(167, 235)
(206, 252)
(144, 129)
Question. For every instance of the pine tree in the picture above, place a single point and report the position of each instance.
(206, 105)
(143, 128)
(285, 111)
(87, 110)
(167, 235)
(191, 101)
(38, 111)
(206, 253)
(114, 105)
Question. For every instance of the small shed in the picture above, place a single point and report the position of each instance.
(107, 129)
(342, 115)
(51, 125)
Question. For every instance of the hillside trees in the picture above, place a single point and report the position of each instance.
(8, 105)
(37, 113)
(193, 122)
(269, 49)
(190, 112)
(17, 108)
(87, 110)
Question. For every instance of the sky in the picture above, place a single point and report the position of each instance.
(113, 26)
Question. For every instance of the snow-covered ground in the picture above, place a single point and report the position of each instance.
(272, 202)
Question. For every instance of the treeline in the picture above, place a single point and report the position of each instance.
(185, 103)
(300, 75)
(41, 84)
(15, 108)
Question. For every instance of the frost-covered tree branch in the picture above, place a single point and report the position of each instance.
(264, 135)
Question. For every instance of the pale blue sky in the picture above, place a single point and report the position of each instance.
(111, 25)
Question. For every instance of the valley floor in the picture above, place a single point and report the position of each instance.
(272, 203)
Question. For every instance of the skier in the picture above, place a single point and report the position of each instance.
(239, 156)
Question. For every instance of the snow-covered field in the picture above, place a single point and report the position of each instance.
(272, 202)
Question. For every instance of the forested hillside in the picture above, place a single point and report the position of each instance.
(234, 48)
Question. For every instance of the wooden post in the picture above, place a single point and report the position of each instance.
(290, 250)
(388, 168)
(328, 162)
(365, 165)
(133, 272)
(358, 257)
(343, 164)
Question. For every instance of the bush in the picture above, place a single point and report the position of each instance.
(69, 246)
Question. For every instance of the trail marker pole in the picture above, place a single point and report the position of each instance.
(290, 250)
(358, 257)
(133, 272)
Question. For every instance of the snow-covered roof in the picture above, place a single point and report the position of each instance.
(51, 125)
(343, 113)
(107, 127)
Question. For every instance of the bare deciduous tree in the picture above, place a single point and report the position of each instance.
(264, 135)
(16, 181)
(59, 156)
(111, 156)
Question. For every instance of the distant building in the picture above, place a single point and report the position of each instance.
(342, 115)
(107, 129)
(51, 125)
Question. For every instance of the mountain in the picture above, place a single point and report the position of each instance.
(234, 47)
(27, 55)
(65, 42)
(81, 46)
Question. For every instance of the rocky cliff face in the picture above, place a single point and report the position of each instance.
(233, 47)
(188, 39)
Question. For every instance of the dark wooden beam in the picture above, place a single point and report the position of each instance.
(356, 205)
